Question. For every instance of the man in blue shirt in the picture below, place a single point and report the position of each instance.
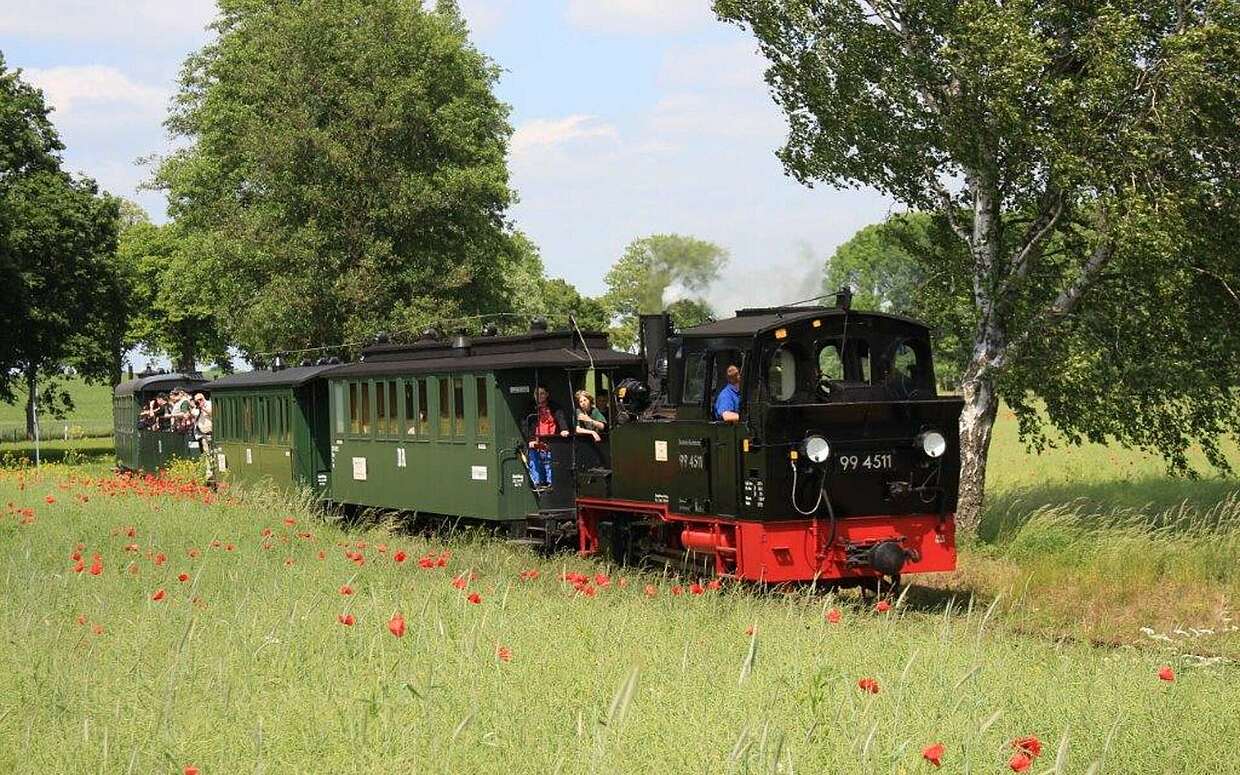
(728, 402)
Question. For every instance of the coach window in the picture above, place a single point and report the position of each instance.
(393, 410)
(695, 378)
(458, 406)
(445, 407)
(424, 422)
(247, 417)
(355, 425)
(484, 419)
(781, 373)
(381, 413)
(364, 409)
(410, 428)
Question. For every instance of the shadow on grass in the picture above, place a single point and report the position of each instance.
(1157, 498)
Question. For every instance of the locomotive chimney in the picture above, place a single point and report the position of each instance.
(653, 331)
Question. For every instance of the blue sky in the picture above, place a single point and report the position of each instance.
(632, 117)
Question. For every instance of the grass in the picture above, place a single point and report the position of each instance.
(244, 667)
(91, 415)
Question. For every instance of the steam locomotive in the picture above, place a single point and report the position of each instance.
(843, 466)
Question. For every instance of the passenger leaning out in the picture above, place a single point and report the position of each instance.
(590, 421)
(547, 421)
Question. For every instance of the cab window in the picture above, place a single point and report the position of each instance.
(831, 362)
(781, 373)
(695, 378)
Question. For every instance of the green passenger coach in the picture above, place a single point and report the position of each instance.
(272, 426)
(437, 427)
(141, 449)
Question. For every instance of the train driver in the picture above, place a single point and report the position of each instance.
(728, 402)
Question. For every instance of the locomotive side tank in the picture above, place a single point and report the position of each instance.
(844, 464)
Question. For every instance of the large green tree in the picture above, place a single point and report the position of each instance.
(876, 264)
(1084, 158)
(639, 281)
(346, 171)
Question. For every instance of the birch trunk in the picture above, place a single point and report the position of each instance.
(977, 420)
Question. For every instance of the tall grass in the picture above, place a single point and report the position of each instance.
(245, 666)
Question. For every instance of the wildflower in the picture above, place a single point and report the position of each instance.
(933, 754)
(97, 629)
(96, 565)
(159, 595)
(396, 625)
(1165, 673)
(587, 590)
(322, 555)
(713, 585)
(868, 685)
(346, 619)
(504, 654)
(622, 583)
(475, 598)
(601, 579)
(161, 558)
(751, 630)
(193, 553)
(288, 562)
(265, 532)
(834, 616)
(229, 547)
(133, 569)
(399, 556)
(183, 577)
(290, 521)
(50, 500)
(678, 590)
(426, 561)
(1030, 745)
(651, 590)
(79, 566)
(460, 582)
(191, 770)
(1020, 762)
(81, 618)
(529, 575)
(696, 588)
(882, 607)
(76, 556)
(132, 548)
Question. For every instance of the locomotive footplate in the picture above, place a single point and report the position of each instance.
(551, 528)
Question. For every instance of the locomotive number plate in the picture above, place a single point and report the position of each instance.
(877, 461)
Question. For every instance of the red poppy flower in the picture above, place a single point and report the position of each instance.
(161, 558)
(530, 575)
(288, 562)
(933, 754)
(96, 567)
(475, 598)
(834, 616)
(713, 584)
(97, 629)
(346, 619)
(229, 547)
(696, 588)
(651, 590)
(77, 555)
(1020, 762)
(882, 606)
(265, 532)
(426, 561)
(50, 500)
(587, 590)
(1030, 745)
(183, 577)
(322, 555)
(81, 618)
(290, 521)
(193, 552)
(504, 654)
(1165, 673)
(622, 583)
(159, 595)
(601, 579)
(79, 566)
(132, 547)
(868, 685)
(191, 770)
(399, 556)
(678, 590)
(460, 582)
(215, 543)
(750, 630)
(396, 625)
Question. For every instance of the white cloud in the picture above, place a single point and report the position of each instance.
(148, 23)
(640, 16)
(485, 17)
(78, 91)
(551, 132)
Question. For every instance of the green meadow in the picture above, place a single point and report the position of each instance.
(1094, 571)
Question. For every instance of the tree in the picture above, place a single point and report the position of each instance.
(1083, 157)
(346, 172)
(639, 282)
(877, 265)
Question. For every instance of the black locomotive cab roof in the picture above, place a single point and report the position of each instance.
(540, 349)
(762, 320)
(294, 376)
(161, 382)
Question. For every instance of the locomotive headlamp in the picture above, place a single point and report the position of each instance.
(932, 443)
(816, 449)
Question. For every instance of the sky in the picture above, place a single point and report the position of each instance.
(631, 117)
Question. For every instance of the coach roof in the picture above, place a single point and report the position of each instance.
(295, 376)
(158, 382)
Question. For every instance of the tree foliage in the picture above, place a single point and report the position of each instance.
(877, 265)
(1083, 159)
(346, 172)
(638, 283)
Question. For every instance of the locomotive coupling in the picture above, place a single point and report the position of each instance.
(886, 557)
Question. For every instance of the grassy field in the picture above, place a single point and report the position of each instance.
(246, 666)
(92, 413)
